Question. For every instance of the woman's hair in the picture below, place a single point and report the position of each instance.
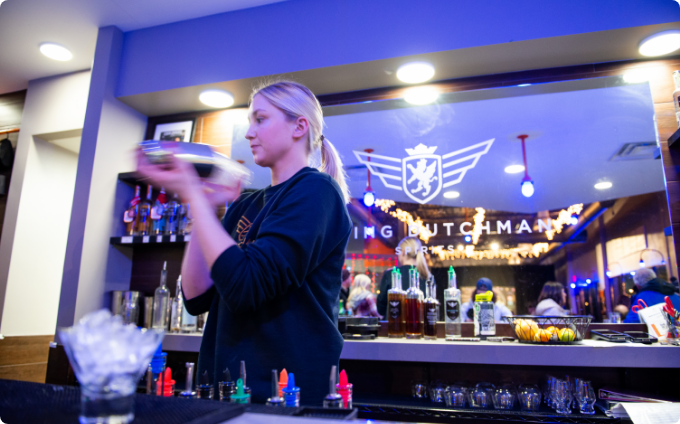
(296, 100)
(415, 252)
(359, 290)
(552, 290)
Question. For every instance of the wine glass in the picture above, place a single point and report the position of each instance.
(585, 395)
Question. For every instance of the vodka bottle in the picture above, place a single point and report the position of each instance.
(189, 322)
(130, 215)
(676, 96)
(396, 309)
(171, 215)
(161, 302)
(158, 214)
(414, 306)
(143, 221)
(452, 328)
(176, 309)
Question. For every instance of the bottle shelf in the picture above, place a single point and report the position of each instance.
(137, 240)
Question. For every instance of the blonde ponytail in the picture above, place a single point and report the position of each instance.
(331, 164)
(421, 265)
(296, 100)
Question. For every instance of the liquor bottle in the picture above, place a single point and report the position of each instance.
(184, 219)
(414, 306)
(188, 321)
(341, 307)
(396, 311)
(143, 221)
(171, 215)
(484, 316)
(430, 310)
(176, 309)
(130, 215)
(158, 214)
(161, 302)
(676, 96)
(452, 317)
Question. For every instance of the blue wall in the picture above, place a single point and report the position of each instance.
(306, 34)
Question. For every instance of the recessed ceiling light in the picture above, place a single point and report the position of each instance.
(451, 194)
(56, 51)
(216, 98)
(660, 44)
(421, 95)
(523, 85)
(514, 169)
(603, 185)
(415, 72)
(637, 75)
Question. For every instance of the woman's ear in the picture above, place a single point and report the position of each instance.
(301, 128)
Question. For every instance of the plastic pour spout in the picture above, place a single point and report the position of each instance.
(240, 396)
(283, 381)
(345, 390)
(291, 393)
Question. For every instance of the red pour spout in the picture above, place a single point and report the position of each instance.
(343, 379)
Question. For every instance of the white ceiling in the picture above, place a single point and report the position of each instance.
(25, 24)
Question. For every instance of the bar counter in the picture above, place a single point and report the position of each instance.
(590, 353)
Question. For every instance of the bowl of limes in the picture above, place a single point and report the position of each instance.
(549, 330)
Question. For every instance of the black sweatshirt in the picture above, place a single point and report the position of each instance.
(274, 302)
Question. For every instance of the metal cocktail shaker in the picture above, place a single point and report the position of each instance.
(210, 165)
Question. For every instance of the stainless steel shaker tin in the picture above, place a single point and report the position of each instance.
(210, 165)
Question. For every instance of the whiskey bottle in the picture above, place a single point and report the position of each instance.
(130, 215)
(396, 310)
(430, 310)
(158, 214)
(143, 221)
(414, 306)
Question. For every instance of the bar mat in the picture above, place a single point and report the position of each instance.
(35, 403)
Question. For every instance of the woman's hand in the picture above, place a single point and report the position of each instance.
(176, 175)
(219, 195)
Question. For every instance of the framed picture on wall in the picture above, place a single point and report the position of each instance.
(175, 131)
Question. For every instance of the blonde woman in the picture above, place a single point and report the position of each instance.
(409, 253)
(270, 272)
(361, 300)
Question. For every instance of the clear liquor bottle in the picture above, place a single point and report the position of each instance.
(143, 220)
(676, 96)
(189, 322)
(430, 310)
(184, 219)
(172, 215)
(414, 306)
(396, 309)
(176, 309)
(452, 319)
(158, 214)
(161, 302)
(130, 215)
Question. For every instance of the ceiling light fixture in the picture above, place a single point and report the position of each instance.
(527, 182)
(216, 98)
(56, 51)
(452, 195)
(369, 194)
(660, 44)
(421, 95)
(514, 169)
(494, 246)
(415, 72)
(603, 185)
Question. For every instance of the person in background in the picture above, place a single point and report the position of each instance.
(652, 291)
(344, 287)
(410, 253)
(361, 301)
(484, 285)
(552, 300)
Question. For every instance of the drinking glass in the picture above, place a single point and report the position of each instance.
(482, 395)
(419, 389)
(529, 397)
(562, 397)
(437, 391)
(456, 396)
(585, 396)
(549, 385)
(504, 397)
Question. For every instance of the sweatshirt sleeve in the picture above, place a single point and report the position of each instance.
(309, 221)
(201, 303)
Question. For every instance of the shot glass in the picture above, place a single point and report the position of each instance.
(419, 389)
(504, 397)
(437, 392)
(481, 396)
(529, 398)
(456, 396)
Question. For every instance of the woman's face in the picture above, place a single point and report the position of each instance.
(271, 133)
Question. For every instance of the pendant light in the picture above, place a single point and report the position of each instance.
(369, 194)
(527, 182)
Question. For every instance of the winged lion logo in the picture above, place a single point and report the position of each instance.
(423, 174)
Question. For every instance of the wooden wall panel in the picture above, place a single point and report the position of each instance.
(24, 358)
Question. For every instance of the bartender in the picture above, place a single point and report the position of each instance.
(270, 272)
